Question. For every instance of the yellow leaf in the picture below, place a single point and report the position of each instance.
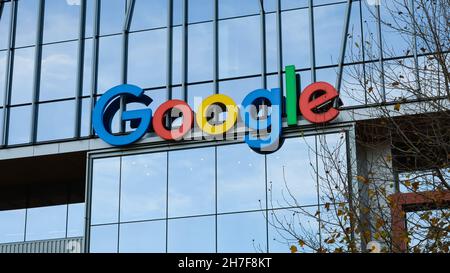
(340, 213)
(362, 179)
(301, 243)
(294, 249)
(397, 107)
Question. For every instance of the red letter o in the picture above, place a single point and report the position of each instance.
(160, 116)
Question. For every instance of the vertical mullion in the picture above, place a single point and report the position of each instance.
(363, 48)
(184, 53)
(80, 71)
(216, 200)
(129, 6)
(95, 49)
(279, 47)
(312, 42)
(263, 45)
(120, 204)
(37, 71)
(348, 149)
(9, 71)
(348, 13)
(267, 202)
(167, 200)
(317, 185)
(169, 55)
(216, 46)
(381, 54)
(415, 52)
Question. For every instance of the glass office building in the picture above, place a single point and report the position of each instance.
(60, 182)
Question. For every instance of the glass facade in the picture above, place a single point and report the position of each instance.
(223, 198)
(71, 52)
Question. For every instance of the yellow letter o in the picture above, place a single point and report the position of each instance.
(232, 114)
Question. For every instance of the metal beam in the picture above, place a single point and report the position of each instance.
(9, 71)
(279, 47)
(381, 53)
(184, 52)
(416, 59)
(94, 72)
(37, 72)
(125, 39)
(129, 15)
(169, 53)
(80, 70)
(312, 42)
(344, 36)
(262, 13)
(216, 47)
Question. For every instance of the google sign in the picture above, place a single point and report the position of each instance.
(315, 103)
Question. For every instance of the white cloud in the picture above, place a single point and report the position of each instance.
(73, 2)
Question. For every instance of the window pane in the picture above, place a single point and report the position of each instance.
(56, 120)
(61, 20)
(286, 187)
(231, 8)
(75, 221)
(143, 186)
(104, 239)
(26, 22)
(13, 226)
(112, 16)
(5, 17)
(242, 233)
(46, 223)
(22, 90)
(147, 59)
(109, 63)
(2, 75)
(244, 188)
(329, 24)
(59, 71)
(200, 52)
(239, 47)
(192, 235)
(149, 14)
(200, 10)
(148, 237)
(19, 125)
(296, 45)
(105, 190)
(192, 182)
